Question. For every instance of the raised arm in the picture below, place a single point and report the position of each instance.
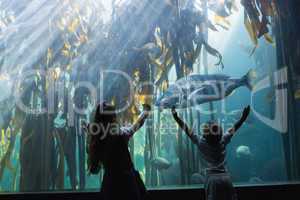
(129, 132)
(189, 132)
(240, 122)
(142, 118)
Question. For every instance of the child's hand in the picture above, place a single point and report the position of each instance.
(146, 107)
(246, 113)
(146, 110)
(174, 112)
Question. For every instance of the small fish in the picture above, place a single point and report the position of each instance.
(161, 163)
(242, 151)
(197, 89)
(197, 178)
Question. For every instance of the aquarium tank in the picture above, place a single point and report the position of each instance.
(60, 58)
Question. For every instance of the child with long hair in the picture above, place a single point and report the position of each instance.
(108, 147)
(212, 146)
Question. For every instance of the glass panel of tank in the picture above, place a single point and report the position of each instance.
(59, 58)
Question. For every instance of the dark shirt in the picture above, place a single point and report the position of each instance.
(214, 155)
(118, 156)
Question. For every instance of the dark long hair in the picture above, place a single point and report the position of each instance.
(97, 141)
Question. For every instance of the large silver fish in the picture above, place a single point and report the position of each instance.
(197, 89)
(161, 163)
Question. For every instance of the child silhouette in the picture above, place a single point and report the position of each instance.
(108, 147)
(212, 146)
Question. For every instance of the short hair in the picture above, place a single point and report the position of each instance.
(212, 132)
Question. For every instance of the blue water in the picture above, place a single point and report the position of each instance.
(256, 155)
